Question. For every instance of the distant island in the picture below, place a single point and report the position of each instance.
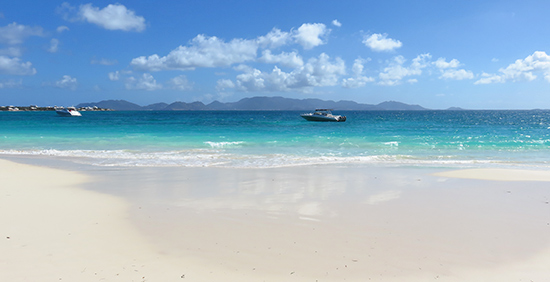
(246, 104)
(255, 104)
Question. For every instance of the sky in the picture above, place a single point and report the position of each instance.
(437, 54)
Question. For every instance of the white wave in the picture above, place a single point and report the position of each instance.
(223, 144)
(221, 158)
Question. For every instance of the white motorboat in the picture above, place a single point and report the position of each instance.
(323, 115)
(68, 112)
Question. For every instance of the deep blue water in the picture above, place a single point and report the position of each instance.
(277, 138)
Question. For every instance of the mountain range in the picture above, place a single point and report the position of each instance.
(255, 104)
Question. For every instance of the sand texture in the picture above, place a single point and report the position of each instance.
(323, 223)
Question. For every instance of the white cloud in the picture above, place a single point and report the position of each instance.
(251, 80)
(114, 76)
(67, 82)
(489, 78)
(320, 71)
(355, 82)
(54, 44)
(336, 23)
(223, 84)
(358, 79)
(14, 66)
(394, 73)
(14, 33)
(311, 35)
(317, 72)
(292, 59)
(449, 70)
(180, 83)
(206, 51)
(455, 74)
(112, 17)
(380, 42)
(442, 64)
(145, 82)
(538, 62)
(274, 39)
(203, 52)
(61, 29)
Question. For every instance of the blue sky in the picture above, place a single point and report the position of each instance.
(470, 54)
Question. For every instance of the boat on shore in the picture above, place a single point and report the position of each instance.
(68, 112)
(323, 115)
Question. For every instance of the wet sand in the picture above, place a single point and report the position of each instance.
(321, 223)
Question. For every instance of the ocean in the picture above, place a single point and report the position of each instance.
(263, 139)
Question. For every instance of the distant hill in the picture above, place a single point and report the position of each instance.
(119, 105)
(257, 104)
(398, 106)
(155, 107)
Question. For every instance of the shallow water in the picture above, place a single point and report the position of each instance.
(282, 138)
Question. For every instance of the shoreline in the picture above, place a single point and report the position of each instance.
(325, 223)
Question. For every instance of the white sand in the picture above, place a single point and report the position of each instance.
(53, 231)
(498, 174)
(295, 224)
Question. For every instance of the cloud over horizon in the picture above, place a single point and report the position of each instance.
(521, 69)
(112, 17)
(381, 43)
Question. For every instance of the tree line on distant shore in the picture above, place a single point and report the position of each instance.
(33, 108)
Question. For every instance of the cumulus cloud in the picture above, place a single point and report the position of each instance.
(67, 82)
(317, 72)
(14, 33)
(336, 23)
(441, 63)
(14, 66)
(394, 73)
(223, 84)
(203, 51)
(311, 35)
(145, 82)
(490, 78)
(292, 59)
(380, 42)
(274, 39)
(180, 83)
(112, 17)
(455, 74)
(358, 79)
(211, 51)
(449, 70)
(522, 69)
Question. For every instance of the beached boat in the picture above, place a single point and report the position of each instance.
(68, 112)
(323, 115)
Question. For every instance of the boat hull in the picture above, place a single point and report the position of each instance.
(66, 113)
(311, 117)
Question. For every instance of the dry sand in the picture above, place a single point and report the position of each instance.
(290, 224)
(53, 231)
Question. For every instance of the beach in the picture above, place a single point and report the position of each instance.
(303, 223)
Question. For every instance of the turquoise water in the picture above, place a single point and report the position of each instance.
(282, 138)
